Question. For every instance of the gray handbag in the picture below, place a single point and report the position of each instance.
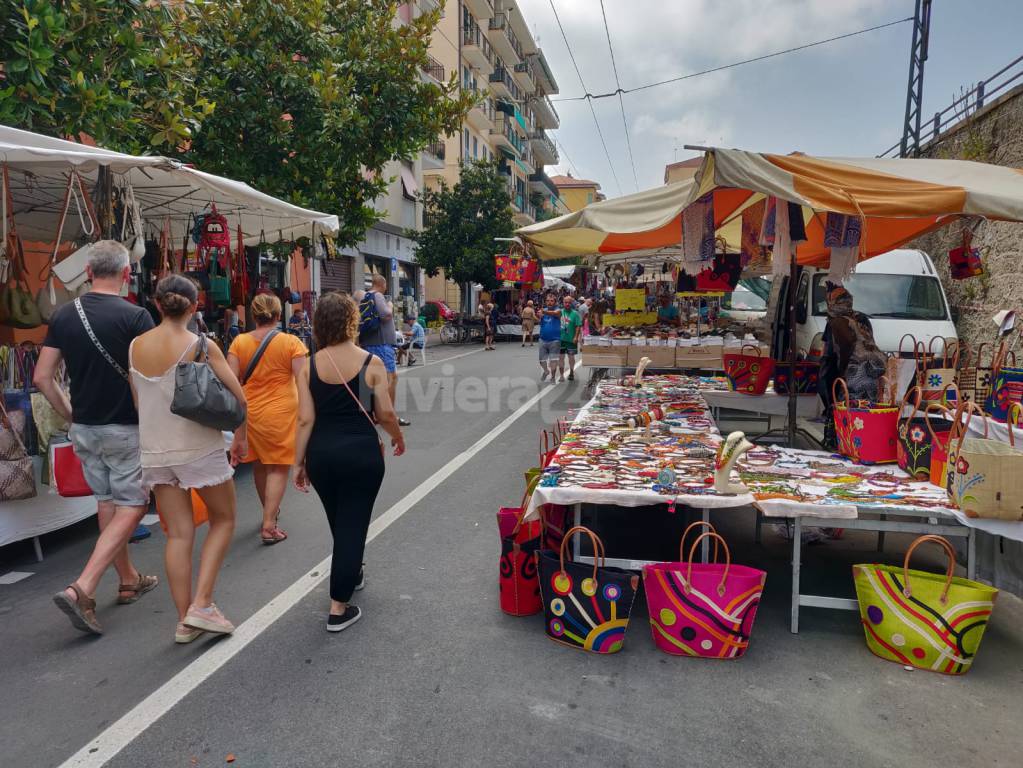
(201, 397)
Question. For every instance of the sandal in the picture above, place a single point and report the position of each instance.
(271, 536)
(81, 610)
(139, 588)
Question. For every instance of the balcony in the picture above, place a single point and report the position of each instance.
(503, 86)
(541, 182)
(543, 148)
(482, 115)
(481, 9)
(433, 71)
(505, 44)
(507, 136)
(476, 48)
(545, 81)
(544, 113)
(524, 77)
(433, 156)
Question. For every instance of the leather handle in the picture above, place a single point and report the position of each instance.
(834, 392)
(943, 542)
(685, 533)
(598, 547)
(728, 561)
(916, 402)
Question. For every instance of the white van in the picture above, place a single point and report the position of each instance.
(899, 291)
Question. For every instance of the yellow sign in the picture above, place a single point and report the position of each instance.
(630, 319)
(630, 298)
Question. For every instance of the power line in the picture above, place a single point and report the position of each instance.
(621, 100)
(571, 164)
(592, 110)
(591, 96)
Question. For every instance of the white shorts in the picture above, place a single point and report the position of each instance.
(201, 473)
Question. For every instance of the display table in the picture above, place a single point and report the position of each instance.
(46, 512)
(768, 404)
(603, 461)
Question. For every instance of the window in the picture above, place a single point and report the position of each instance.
(475, 148)
(589, 198)
(465, 77)
(466, 133)
(900, 297)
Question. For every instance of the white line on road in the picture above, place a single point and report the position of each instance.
(115, 738)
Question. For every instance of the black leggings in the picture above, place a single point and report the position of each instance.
(346, 471)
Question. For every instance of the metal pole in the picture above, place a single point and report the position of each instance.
(793, 403)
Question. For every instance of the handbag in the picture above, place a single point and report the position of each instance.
(985, 476)
(964, 262)
(200, 512)
(867, 432)
(936, 375)
(66, 471)
(939, 441)
(518, 586)
(201, 397)
(917, 434)
(54, 294)
(585, 606)
(219, 291)
(974, 380)
(17, 472)
(803, 378)
(747, 373)
(921, 619)
(703, 609)
(1006, 389)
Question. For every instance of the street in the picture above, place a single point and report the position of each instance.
(435, 674)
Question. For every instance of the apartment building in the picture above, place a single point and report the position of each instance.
(489, 45)
(575, 193)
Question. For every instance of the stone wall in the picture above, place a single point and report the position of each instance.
(992, 135)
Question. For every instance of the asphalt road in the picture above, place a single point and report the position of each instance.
(435, 674)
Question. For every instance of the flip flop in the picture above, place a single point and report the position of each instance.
(276, 536)
(139, 588)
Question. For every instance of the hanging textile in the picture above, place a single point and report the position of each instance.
(767, 226)
(698, 235)
(842, 235)
(782, 252)
(750, 250)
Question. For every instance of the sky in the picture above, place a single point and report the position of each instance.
(846, 98)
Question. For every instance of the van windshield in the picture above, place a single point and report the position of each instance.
(903, 297)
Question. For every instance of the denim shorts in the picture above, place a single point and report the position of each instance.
(549, 350)
(110, 459)
(386, 353)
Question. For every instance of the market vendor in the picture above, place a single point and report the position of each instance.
(850, 353)
(667, 312)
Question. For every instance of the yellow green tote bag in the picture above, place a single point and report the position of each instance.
(926, 620)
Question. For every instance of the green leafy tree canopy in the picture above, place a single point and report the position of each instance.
(462, 224)
(314, 97)
(119, 71)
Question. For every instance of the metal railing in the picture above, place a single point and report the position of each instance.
(434, 69)
(500, 24)
(472, 34)
(438, 149)
(501, 75)
(542, 137)
(550, 106)
(968, 103)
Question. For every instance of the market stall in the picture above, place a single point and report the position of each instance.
(603, 460)
(58, 197)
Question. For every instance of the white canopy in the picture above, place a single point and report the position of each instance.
(38, 167)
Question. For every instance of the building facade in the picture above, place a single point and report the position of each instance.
(575, 193)
(489, 45)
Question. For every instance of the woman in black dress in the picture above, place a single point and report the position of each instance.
(340, 391)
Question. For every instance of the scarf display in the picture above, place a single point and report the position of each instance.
(698, 235)
(750, 250)
(842, 235)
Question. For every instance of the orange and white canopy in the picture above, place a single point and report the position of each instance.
(899, 199)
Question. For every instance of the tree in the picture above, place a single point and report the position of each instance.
(314, 97)
(120, 71)
(463, 222)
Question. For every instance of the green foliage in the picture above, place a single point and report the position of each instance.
(119, 71)
(314, 97)
(464, 221)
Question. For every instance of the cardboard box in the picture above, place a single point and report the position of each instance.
(604, 357)
(707, 357)
(660, 357)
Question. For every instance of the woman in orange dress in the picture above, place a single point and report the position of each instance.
(273, 406)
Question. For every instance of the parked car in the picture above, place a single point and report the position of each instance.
(744, 305)
(444, 312)
(899, 291)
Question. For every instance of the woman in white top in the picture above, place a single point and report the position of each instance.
(179, 455)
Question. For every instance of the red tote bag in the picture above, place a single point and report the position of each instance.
(68, 478)
(748, 373)
(868, 433)
(518, 586)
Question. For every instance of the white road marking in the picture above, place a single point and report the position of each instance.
(115, 738)
(13, 577)
(406, 369)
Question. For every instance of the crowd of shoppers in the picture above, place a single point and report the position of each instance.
(316, 415)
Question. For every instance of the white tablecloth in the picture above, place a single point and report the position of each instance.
(20, 520)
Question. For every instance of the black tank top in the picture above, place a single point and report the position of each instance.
(335, 407)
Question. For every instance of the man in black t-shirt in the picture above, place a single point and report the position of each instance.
(92, 336)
